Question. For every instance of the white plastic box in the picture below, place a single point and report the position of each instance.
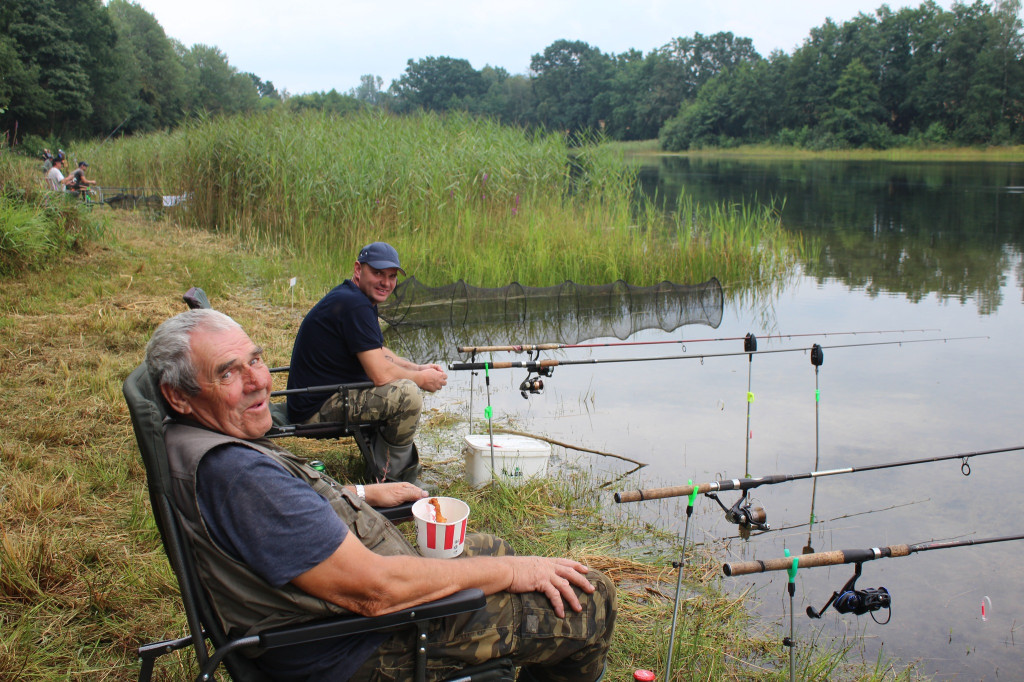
(516, 458)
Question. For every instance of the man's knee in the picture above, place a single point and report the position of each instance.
(401, 411)
(485, 544)
(606, 605)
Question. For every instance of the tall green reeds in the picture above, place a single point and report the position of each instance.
(460, 197)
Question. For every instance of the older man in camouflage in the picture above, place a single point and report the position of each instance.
(277, 542)
(340, 341)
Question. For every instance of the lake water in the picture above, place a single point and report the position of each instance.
(903, 246)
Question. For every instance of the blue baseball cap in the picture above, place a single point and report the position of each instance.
(380, 255)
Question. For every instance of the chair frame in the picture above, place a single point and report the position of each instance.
(147, 415)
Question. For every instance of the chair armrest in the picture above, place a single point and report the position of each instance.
(454, 604)
(327, 388)
(399, 512)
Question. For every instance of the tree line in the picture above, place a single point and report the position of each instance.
(915, 75)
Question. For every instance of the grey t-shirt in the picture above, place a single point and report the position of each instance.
(277, 525)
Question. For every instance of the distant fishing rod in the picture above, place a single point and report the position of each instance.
(747, 516)
(533, 347)
(536, 369)
(849, 599)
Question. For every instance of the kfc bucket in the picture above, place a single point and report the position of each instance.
(440, 539)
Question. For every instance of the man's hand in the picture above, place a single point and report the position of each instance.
(432, 378)
(392, 494)
(553, 577)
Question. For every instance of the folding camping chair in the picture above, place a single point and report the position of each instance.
(361, 432)
(147, 414)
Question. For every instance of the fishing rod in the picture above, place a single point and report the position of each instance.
(849, 599)
(534, 347)
(747, 516)
(537, 369)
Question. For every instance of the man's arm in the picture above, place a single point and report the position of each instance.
(383, 367)
(370, 584)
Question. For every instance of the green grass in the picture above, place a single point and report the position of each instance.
(460, 197)
(37, 226)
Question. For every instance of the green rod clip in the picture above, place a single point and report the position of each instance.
(792, 569)
(693, 492)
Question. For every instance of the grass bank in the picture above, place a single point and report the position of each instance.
(83, 579)
(934, 154)
(466, 198)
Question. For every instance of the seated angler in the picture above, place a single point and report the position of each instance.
(277, 542)
(340, 341)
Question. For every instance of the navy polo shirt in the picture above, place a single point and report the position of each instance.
(341, 324)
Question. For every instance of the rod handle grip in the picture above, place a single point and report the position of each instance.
(661, 493)
(833, 558)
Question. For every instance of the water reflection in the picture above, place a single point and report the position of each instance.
(915, 229)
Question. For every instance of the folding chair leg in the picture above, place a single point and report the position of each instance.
(148, 653)
(421, 651)
(363, 443)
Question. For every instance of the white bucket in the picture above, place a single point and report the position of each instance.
(441, 540)
(516, 458)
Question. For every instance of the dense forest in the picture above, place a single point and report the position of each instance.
(924, 75)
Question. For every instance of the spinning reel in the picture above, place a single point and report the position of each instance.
(533, 384)
(744, 514)
(858, 602)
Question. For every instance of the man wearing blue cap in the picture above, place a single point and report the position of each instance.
(340, 341)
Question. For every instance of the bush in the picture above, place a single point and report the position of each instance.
(36, 225)
(33, 146)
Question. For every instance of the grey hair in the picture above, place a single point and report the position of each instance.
(169, 351)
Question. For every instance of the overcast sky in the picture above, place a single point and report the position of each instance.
(313, 45)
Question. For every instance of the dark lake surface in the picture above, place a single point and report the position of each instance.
(900, 246)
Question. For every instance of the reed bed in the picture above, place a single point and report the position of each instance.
(460, 197)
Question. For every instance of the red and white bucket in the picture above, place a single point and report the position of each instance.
(441, 540)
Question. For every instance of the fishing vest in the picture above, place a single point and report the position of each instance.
(243, 601)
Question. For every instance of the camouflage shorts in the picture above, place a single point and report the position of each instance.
(521, 627)
(397, 405)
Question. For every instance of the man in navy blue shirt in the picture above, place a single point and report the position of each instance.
(340, 341)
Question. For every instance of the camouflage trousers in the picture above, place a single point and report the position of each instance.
(520, 627)
(396, 405)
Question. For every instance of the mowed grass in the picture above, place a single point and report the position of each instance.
(83, 578)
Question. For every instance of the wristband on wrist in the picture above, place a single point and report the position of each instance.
(361, 492)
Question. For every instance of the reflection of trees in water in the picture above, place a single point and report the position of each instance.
(952, 229)
(431, 322)
(917, 269)
(1020, 276)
